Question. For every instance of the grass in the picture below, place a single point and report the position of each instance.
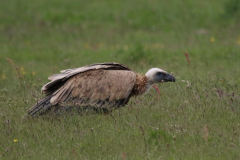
(197, 117)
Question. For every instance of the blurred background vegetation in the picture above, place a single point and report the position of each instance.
(75, 33)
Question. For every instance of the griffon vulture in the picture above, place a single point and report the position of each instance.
(101, 86)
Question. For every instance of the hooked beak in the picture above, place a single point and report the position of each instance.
(168, 78)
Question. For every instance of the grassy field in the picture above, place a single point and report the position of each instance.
(197, 117)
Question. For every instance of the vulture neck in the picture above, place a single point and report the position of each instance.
(149, 85)
(141, 85)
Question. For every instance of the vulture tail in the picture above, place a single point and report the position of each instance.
(41, 106)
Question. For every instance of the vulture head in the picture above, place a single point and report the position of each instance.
(156, 75)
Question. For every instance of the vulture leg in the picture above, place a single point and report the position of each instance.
(156, 87)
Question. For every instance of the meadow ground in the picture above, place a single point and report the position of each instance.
(197, 117)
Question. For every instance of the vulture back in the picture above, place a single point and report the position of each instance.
(58, 79)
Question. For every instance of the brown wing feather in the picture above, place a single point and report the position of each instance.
(59, 79)
(96, 88)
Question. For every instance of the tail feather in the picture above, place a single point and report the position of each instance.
(41, 106)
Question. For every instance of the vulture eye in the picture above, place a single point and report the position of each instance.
(159, 73)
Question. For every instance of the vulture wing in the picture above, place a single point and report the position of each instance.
(96, 89)
(58, 79)
(102, 86)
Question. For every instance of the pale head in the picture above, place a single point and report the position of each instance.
(156, 75)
